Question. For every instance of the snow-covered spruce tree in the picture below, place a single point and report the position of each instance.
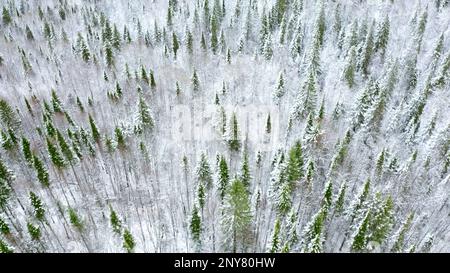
(5, 184)
(360, 238)
(75, 220)
(367, 51)
(116, 223)
(175, 45)
(350, 67)
(312, 236)
(94, 130)
(232, 136)
(236, 219)
(340, 199)
(6, 16)
(128, 241)
(305, 102)
(195, 81)
(277, 177)
(196, 227)
(5, 248)
(41, 171)
(294, 168)
(279, 90)
(38, 207)
(203, 171)
(4, 228)
(8, 116)
(34, 231)
(398, 239)
(382, 36)
(443, 74)
(245, 175)
(275, 243)
(55, 155)
(223, 177)
(143, 117)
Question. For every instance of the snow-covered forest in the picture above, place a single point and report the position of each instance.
(225, 126)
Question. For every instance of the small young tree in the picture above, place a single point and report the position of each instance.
(128, 241)
(115, 222)
(38, 207)
(223, 177)
(195, 81)
(195, 225)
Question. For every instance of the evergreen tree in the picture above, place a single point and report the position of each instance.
(383, 33)
(294, 168)
(309, 175)
(267, 47)
(337, 25)
(195, 225)
(360, 239)
(55, 155)
(4, 248)
(116, 39)
(115, 222)
(268, 124)
(34, 231)
(233, 134)
(152, 80)
(228, 56)
(382, 219)
(5, 188)
(38, 208)
(143, 120)
(223, 177)
(75, 220)
(214, 34)
(120, 138)
(399, 237)
(65, 148)
(245, 171)
(284, 202)
(443, 74)
(203, 172)
(94, 131)
(128, 241)
(339, 203)
(4, 228)
(279, 91)
(275, 244)
(8, 116)
(42, 172)
(236, 217)
(29, 33)
(175, 45)
(349, 69)
(308, 95)
(360, 201)
(203, 42)
(195, 81)
(313, 232)
(189, 43)
(177, 88)
(6, 16)
(109, 55)
(201, 195)
(366, 54)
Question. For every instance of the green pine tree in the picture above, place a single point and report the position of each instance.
(128, 241)
(38, 207)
